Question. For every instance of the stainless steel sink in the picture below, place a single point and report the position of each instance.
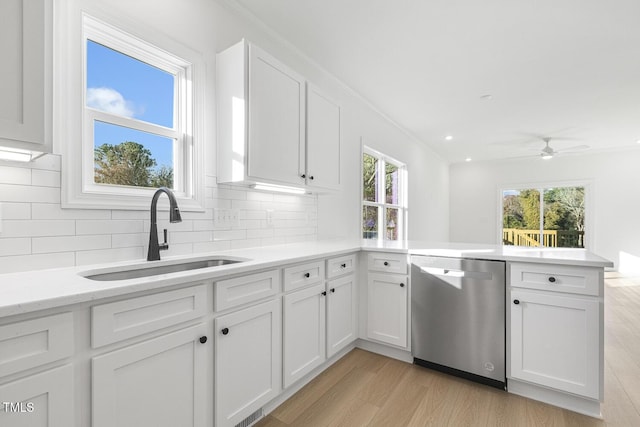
(142, 271)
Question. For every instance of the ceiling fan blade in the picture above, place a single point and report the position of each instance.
(574, 148)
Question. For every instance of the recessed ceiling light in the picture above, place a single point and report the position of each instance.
(448, 137)
(486, 97)
(638, 141)
(468, 159)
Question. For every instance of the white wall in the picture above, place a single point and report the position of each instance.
(613, 210)
(37, 233)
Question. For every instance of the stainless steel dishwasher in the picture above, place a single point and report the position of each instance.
(458, 317)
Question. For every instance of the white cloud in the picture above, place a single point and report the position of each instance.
(110, 101)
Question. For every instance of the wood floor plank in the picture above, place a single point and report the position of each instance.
(384, 382)
(400, 405)
(335, 401)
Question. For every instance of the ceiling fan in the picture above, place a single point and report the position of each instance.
(549, 152)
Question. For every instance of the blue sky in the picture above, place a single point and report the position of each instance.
(121, 85)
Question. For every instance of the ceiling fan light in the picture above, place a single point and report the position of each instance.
(546, 156)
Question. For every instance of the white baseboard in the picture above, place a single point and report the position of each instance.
(574, 403)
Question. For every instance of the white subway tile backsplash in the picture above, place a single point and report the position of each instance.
(108, 226)
(38, 233)
(222, 245)
(38, 228)
(129, 240)
(14, 246)
(10, 264)
(16, 211)
(45, 178)
(31, 194)
(190, 237)
(70, 243)
(13, 175)
(109, 255)
(54, 211)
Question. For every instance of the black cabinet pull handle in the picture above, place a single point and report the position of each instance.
(324, 293)
(516, 301)
(225, 331)
(386, 263)
(333, 289)
(402, 285)
(343, 265)
(203, 339)
(307, 275)
(552, 279)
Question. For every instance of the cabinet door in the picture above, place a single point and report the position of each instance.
(304, 332)
(25, 48)
(276, 120)
(555, 341)
(341, 313)
(40, 400)
(248, 361)
(323, 140)
(387, 309)
(160, 382)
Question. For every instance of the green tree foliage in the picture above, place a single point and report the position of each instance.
(129, 163)
(530, 201)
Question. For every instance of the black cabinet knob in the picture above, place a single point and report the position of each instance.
(303, 176)
(552, 279)
(516, 301)
(333, 289)
(203, 339)
(311, 177)
(225, 331)
(343, 265)
(307, 275)
(386, 263)
(323, 293)
(402, 285)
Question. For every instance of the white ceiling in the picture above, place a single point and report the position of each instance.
(555, 68)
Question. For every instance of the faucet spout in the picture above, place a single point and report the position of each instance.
(153, 253)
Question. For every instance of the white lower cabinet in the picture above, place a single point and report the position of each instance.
(40, 400)
(387, 308)
(555, 341)
(157, 383)
(304, 332)
(247, 361)
(341, 313)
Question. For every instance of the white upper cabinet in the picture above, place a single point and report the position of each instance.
(323, 140)
(272, 127)
(26, 51)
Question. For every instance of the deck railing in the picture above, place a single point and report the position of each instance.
(550, 238)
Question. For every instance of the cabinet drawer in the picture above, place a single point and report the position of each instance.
(387, 263)
(303, 275)
(558, 278)
(240, 290)
(120, 320)
(341, 265)
(31, 343)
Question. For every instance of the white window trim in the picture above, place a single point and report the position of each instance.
(70, 137)
(588, 205)
(402, 194)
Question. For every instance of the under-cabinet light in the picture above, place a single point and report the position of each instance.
(17, 155)
(278, 188)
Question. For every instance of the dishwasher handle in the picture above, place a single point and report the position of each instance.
(449, 272)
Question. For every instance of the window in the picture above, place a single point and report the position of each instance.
(549, 217)
(141, 112)
(383, 197)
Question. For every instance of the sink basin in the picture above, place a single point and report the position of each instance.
(142, 271)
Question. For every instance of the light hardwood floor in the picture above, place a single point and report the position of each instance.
(365, 389)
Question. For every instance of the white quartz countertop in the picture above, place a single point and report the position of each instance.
(42, 289)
